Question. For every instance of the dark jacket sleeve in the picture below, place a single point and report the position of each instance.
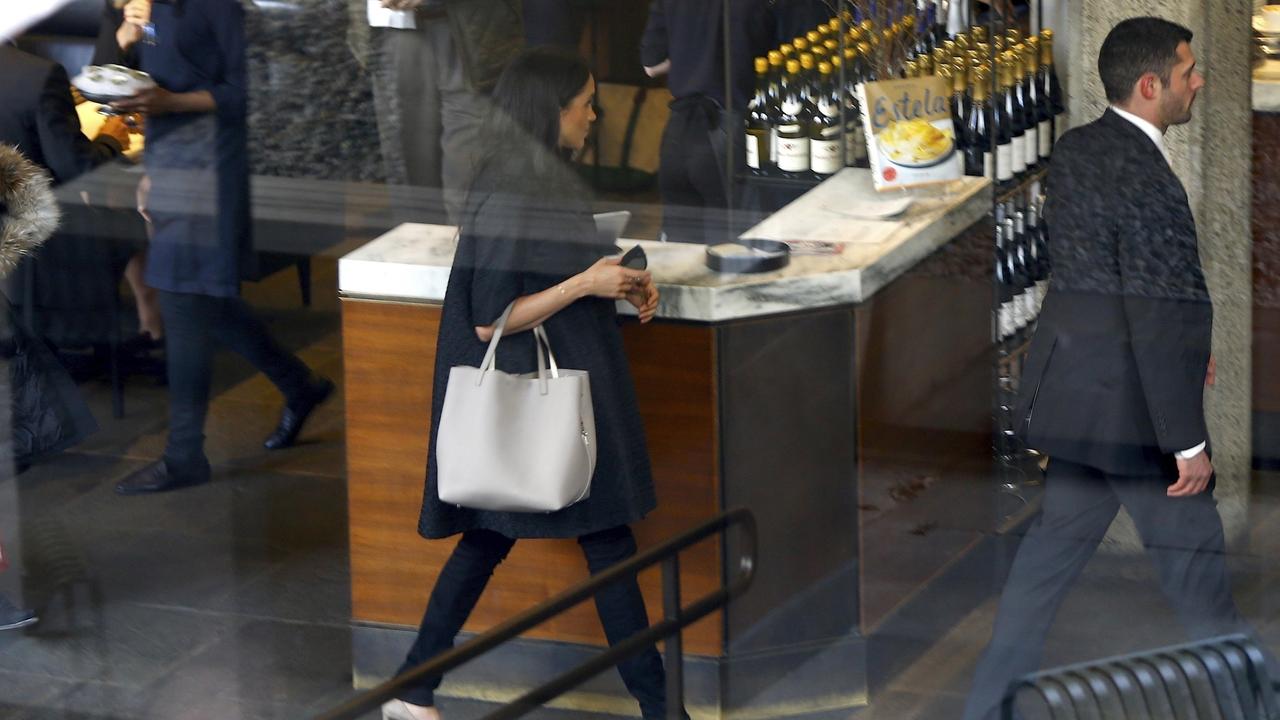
(231, 92)
(653, 44)
(66, 150)
(105, 50)
(1170, 319)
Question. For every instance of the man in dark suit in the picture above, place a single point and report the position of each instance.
(38, 115)
(1113, 387)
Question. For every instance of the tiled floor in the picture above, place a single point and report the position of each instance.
(231, 601)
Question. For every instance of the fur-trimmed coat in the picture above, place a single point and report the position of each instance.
(49, 414)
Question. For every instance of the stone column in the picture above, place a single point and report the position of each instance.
(1212, 156)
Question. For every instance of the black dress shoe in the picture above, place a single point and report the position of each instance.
(296, 414)
(156, 478)
(13, 617)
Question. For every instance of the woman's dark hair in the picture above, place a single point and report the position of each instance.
(1135, 47)
(533, 89)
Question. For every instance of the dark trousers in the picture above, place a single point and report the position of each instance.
(691, 175)
(468, 570)
(192, 326)
(1182, 536)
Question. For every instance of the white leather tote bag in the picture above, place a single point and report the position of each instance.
(516, 443)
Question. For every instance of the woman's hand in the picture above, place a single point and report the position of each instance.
(645, 300)
(158, 101)
(137, 13)
(152, 101)
(608, 279)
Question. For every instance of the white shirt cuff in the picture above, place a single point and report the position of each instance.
(1192, 452)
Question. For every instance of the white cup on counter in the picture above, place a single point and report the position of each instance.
(1270, 18)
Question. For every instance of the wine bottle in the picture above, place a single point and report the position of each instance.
(777, 71)
(826, 155)
(760, 123)
(1004, 290)
(960, 81)
(793, 125)
(1017, 283)
(808, 76)
(855, 140)
(1013, 110)
(1003, 130)
(1051, 89)
(866, 58)
(1024, 269)
(1039, 102)
(1040, 248)
(978, 160)
(1030, 122)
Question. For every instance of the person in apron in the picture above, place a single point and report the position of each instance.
(198, 166)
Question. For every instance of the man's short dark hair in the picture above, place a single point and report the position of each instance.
(1135, 47)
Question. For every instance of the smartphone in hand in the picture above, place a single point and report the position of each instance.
(635, 259)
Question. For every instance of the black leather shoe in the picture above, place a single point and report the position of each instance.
(295, 415)
(156, 478)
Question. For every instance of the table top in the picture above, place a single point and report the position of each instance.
(412, 261)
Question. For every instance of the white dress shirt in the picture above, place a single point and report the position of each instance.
(1157, 137)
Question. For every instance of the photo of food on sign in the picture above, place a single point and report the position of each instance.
(910, 134)
(916, 143)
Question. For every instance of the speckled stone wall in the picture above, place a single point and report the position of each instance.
(310, 103)
(1212, 156)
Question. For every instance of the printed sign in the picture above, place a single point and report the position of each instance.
(910, 137)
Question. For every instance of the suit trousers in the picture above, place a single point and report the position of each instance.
(690, 175)
(463, 579)
(1182, 536)
(429, 117)
(192, 326)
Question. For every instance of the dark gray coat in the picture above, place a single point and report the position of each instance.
(526, 230)
(1115, 376)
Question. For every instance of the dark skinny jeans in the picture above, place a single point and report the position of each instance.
(463, 579)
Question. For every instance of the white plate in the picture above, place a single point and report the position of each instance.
(1261, 29)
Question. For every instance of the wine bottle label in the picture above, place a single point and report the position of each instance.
(1004, 162)
(988, 166)
(793, 154)
(791, 107)
(829, 109)
(1032, 147)
(1016, 313)
(1045, 135)
(773, 146)
(1029, 305)
(753, 152)
(824, 156)
(788, 129)
(1005, 319)
(1019, 155)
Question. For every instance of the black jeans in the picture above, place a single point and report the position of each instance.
(468, 570)
(192, 324)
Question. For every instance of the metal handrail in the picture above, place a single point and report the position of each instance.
(675, 619)
(1227, 673)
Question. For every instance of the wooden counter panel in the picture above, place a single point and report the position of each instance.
(389, 353)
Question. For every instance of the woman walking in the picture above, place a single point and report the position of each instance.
(528, 237)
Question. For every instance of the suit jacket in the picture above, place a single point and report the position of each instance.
(38, 115)
(1115, 375)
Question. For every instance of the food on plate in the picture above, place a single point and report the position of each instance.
(915, 142)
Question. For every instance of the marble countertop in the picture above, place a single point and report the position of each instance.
(1266, 87)
(412, 261)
